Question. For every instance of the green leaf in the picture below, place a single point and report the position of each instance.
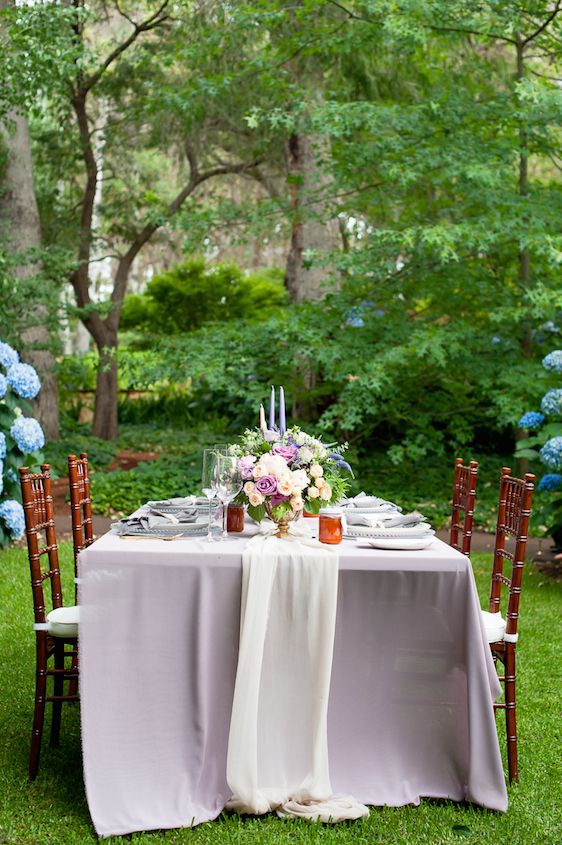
(526, 453)
(257, 513)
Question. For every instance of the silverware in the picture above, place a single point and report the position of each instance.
(150, 536)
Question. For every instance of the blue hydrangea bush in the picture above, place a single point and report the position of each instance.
(21, 438)
(545, 444)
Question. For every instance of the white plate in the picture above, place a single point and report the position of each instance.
(398, 544)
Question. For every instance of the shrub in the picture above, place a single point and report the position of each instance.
(21, 438)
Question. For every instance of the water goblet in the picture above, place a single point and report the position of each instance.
(209, 483)
(229, 483)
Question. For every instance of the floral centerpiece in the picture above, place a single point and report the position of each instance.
(286, 472)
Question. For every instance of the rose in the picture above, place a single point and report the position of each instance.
(316, 471)
(299, 479)
(286, 452)
(297, 503)
(266, 485)
(256, 499)
(277, 500)
(326, 492)
(246, 465)
(249, 487)
(313, 492)
(270, 464)
(285, 486)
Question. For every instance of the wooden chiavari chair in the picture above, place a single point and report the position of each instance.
(56, 631)
(514, 511)
(462, 514)
(80, 506)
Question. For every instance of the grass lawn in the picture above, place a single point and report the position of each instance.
(53, 809)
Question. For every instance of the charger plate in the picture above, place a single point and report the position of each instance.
(399, 544)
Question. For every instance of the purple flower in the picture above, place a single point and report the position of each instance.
(266, 485)
(286, 452)
(246, 466)
(277, 499)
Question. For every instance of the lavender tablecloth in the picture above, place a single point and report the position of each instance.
(410, 711)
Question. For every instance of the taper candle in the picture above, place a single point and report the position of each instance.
(262, 419)
(272, 409)
(282, 421)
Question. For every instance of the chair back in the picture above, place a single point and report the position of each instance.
(80, 503)
(462, 515)
(40, 516)
(514, 512)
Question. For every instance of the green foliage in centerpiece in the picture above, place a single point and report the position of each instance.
(287, 473)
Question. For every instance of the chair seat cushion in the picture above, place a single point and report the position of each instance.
(63, 621)
(494, 624)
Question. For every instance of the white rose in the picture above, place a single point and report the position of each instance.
(325, 492)
(316, 471)
(297, 503)
(299, 480)
(256, 499)
(313, 492)
(249, 487)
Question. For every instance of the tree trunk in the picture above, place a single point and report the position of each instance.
(105, 423)
(309, 232)
(19, 217)
(524, 258)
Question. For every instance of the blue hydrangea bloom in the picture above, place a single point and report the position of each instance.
(12, 474)
(8, 356)
(3, 386)
(551, 453)
(531, 420)
(28, 435)
(12, 514)
(24, 380)
(550, 482)
(1, 476)
(552, 402)
(553, 361)
(2, 445)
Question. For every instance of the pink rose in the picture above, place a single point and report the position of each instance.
(286, 452)
(266, 485)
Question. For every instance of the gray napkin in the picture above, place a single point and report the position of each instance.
(153, 519)
(384, 520)
(364, 501)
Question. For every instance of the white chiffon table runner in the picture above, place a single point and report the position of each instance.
(278, 741)
(411, 691)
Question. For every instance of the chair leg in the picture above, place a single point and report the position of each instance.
(39, 711)
(73, 683)
(510, 713)
(58, 689)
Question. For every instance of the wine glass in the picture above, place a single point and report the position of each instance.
(229, 482)
(209, 482)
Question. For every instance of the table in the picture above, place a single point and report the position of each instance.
(410, 710)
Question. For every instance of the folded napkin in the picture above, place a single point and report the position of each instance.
(152, 518)
(371, 502)
(384, 520)
(178, 502)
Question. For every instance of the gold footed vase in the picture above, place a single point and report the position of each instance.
(283, 522)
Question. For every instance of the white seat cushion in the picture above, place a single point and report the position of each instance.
(63, 621)
(494, 625)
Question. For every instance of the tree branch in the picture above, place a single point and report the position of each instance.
(125, 262)
(544, 24)
(152, 22)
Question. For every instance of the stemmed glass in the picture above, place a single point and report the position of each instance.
(210, 483)
(229, 483)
